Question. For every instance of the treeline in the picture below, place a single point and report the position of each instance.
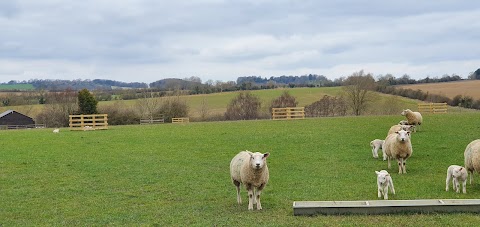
(61, 85)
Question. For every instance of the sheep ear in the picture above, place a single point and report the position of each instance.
(396, 132)
(461, 168)
(376, 172)
(266, 155)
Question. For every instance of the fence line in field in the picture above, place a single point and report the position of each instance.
(288, 113)
(88, 122)
(432, 107)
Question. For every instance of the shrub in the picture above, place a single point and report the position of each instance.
(243, 107)
(327, 106)
(120, 114)
(285, 100)
(87, 104)
(173, 107)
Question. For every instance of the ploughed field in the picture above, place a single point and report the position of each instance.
(178, 174)
(450, 89)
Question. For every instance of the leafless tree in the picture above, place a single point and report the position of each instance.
(358, 91)
(149, 105)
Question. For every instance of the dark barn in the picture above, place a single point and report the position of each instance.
(12, 119)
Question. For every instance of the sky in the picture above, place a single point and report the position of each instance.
(220, 40)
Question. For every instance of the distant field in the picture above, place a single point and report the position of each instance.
(450, 89)
(382, 104)
(21, 87)
(178, 175)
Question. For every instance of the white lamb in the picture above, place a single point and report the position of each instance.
(377, 144)
(472, 158)
(403, 122)
(251, 170)
(56, 130)
(459, 174)
(398, 146)
(384, 181)
(413, 118)
(396, 128)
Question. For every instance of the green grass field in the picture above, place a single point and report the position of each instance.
(179, 174)
(21, 87)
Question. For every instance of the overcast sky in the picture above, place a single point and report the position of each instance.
(149, 40)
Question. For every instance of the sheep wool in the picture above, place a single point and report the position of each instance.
(413, 118)
(398, 146)
(377, 144)
(251, 170)
(472, 158)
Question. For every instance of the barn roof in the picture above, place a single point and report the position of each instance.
(9, 112)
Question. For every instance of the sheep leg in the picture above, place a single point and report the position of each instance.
(456, 185)
(379, 189)
(464, 185)
(447, 181)
(471, 176)
(388, 161)
(259, 205)
(237, 185)
(399, 161)
(375, 152)
(255, 191)
(385, 192)
(250, 196)
(404, 165)
(391, 186)
(384, 155)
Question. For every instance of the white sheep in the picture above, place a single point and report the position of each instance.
(403, 122)
(472, 158)
(88, 128)
(251, 170)
(413, 118)
(56, 130)
(396, 128)
(459, 174)
(398, 146)
(377, 144)
(384, 181)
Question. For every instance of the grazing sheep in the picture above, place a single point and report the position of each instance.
(398, 146)
(413, 118)
(459, 174)
(384, 181)
(56, 130)
(377, 144)
(403, 122)
(251, 170)
(396, 128)
(472, 158)
(88, 128)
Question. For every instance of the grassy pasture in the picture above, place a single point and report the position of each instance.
(179, 174)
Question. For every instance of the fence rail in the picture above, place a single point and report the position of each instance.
(88, 122)
(180, 120)
(4, 127)
(433, 108)
(288, 113)
(151, 121)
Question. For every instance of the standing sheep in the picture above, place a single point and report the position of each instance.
(413, 118)
(251, 170)
(459, 174)
(398, 146)
(396, 128)
(377, 144)
(56, 130)
(384, 181)
(472, 158)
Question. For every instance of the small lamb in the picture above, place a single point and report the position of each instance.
(377, 144)
(459, 174)
(384, 181)
(56, 130)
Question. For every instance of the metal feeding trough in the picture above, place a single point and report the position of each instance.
(386, 206)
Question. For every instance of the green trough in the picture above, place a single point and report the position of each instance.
(386, 206)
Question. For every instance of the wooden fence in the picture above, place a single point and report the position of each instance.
(432, 107)
(159, 120)
(180, 120)
(4, 127)
(288, 113)
(88, 122)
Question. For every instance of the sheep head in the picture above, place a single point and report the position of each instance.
(403, 136)
(382, 176)
(258, 160)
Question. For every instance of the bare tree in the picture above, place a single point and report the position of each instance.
(204, 109)
(358, 91)
(149, 105)
(58, 107)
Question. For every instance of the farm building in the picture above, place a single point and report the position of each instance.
(12, 119)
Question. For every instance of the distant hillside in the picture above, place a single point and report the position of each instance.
(449, 89)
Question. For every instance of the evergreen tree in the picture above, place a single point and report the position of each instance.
(87, 104)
